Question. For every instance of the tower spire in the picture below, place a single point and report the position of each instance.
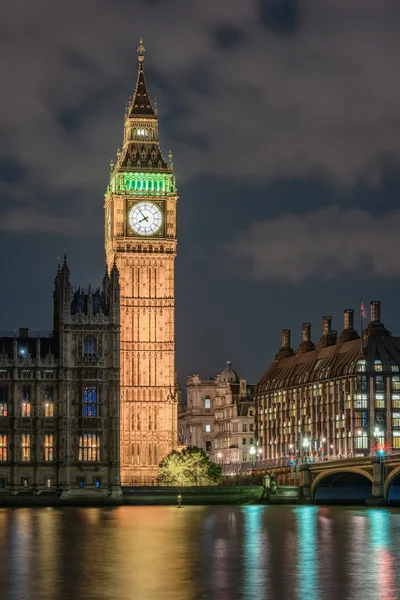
(141, 106)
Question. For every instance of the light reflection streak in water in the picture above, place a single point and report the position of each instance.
(307, 566)
(383, 558)
(256, 554)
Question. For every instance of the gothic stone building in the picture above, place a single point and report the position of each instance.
(338, 397)
(59, 397)
(219, 416)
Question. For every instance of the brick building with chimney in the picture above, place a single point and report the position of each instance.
(337, 397)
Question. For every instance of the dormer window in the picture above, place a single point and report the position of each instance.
(378, 365)
(361, 365)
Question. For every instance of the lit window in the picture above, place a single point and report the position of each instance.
(89, 401)
(48, 482)
(396, 383)
(395, 368)
(89, 346)
(48, 447)
(89, 447)
(378, 365)
(396, 439)
(3, 401)
(3, 448)
(26, 401)
(48, 405)
(361, 365)
(26, 447)
(207, 402)
(26, 409)
(208, 428)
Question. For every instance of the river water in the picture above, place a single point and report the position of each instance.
(229, 553)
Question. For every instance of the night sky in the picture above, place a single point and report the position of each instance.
(284, 121)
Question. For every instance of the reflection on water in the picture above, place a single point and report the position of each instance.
(229, 553)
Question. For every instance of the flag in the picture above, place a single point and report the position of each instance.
(362, 310)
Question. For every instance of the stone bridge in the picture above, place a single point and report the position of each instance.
(371, 478)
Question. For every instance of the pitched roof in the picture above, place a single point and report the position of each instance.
(333, 361)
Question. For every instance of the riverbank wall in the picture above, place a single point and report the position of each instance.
(142, 496)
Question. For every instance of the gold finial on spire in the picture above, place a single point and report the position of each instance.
(141, 50)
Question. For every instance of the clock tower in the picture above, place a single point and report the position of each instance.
(140, 237)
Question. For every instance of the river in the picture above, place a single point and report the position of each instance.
(228, 553)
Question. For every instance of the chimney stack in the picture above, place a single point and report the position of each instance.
(286, 350)
(375, 311)
(306, 327)
(349, 318)
(285, 338)
(326, 325)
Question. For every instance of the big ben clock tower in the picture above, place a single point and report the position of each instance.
(140, 236)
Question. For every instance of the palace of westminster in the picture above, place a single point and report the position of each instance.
(93, 405)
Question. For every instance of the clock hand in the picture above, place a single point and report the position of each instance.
(144, 219)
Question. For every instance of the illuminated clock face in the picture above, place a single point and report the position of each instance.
(145, 218)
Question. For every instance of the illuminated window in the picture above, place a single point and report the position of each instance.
(26, 401)
(3, 448)
(48, 404)
(48, 482)
(26, 447)
(90, 401)
(48, 447)
(378, 365)
(379, 383)
(396, 439)
(3, 401)
(207, 402)
(361, 441)
(379, 400)
(208, 428)
(89, 346)
(26, 409)
(396, 383)
(361, 365)
(395, 368)
(89, 447)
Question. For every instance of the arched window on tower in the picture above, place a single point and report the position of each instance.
(90, 346)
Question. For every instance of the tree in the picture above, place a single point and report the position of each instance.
(191, 466)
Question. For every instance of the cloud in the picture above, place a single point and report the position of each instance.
(254, 89)
(323, 244)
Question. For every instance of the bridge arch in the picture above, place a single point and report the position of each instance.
(389, 480)
(337, 472)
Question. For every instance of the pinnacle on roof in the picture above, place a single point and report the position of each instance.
(141, 106)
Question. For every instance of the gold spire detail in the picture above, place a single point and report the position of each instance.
(141, 50)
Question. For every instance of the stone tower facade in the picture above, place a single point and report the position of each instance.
(140, 236)
(59, 398)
